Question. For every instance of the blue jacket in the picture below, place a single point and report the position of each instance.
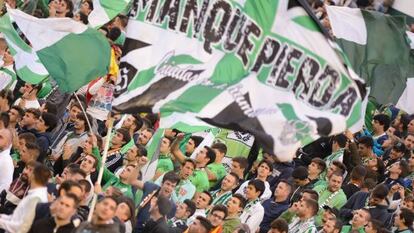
(272, 211)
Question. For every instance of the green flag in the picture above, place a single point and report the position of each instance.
(28, 66)
(72, 53)
(106, 10)
(259, 67)
(377, 47)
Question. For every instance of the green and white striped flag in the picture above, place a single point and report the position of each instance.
(106, 10)
(73, 53)
(261, 67)
(377, 47)
(153, 151)
(406, 102)
(28, 66)
(404, 8)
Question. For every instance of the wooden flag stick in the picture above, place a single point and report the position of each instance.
(84, 112)
(100, 174)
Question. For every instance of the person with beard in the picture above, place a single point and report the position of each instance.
(22, 217)
(304, 222)
(102, 219)
(359, 221)
(224, 194)
(331, 195)
(29, 152)
(61, 222)
(19, 187)
(374, 201)
(333, 225)
(159, 208)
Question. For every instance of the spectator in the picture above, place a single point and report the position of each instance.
(304, 222)
(235, 207)
(216, 217)
(160, 207)
(185, 210)
(253, 212)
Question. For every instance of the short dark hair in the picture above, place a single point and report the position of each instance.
(242, 161)
(50, 120)
(95, 163)
(83, 18)
(19, 110)
(407, 216)
(33, 146)
(358, 173)
(341, 139)
(205, 223)
(211, 155)
(258, 185)
(220, 208)
(313, 205)
(87, 187)
(383, 120)
(189, 160)
(314, 195)
(51, 107)
(126, 137)
(209, 195)
(191, 206)
(242, 200)
(41, 173)
(8, 95)
(197, 140)
(172, 177)
(36, 112)
(142, 151)
(300, 173)
(5, 118)
(27, 137)
(76, 170)
(380, 191)
(320, 163)
(81, 116)
(280, 224)
(131, 206)
(236, 177)
(164, 205)
(220, 147)
(75, 199)
(268, 163)
(340, 165)
(67, 185)
(366, 141)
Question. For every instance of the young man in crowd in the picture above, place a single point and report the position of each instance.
(216, 217)
(274, 207)
(216, 170)
(304, 222)
(159, 208)
(65, 207)
(359, 221)
(185, 210)
(221, 196)
(102, 220)
(235, 207)
(253, 211)
(403, 221)
(315, 169)
(22, 217)
(200, 225)
(203, 201)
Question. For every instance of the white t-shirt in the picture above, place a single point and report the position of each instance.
(28, 104)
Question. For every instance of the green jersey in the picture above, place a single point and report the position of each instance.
(200, 180)
(218, 170)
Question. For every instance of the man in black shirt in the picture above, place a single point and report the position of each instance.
(160, 207)
(65, 207)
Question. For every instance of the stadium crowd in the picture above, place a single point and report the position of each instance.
(51, 146)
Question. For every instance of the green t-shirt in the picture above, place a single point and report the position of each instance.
(348, 228)
(200, 180)
(165, 164)
(219, 171)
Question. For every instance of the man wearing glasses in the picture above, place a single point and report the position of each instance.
(216, 217)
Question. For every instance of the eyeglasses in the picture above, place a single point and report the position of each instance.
(217, 216)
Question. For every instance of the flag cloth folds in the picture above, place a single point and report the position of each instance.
(105, 10)
(28, 66)
(406, 102)
(382, 61)
(404, 8)
(260, 67)
(72, 53)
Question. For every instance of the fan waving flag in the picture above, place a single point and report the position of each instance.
(28, 66)
(72, 53)
(105, 10)
(384, 61)
(260, 67)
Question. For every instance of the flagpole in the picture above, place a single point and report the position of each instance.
(100, 174)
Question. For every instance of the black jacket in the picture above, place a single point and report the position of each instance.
(159, 226)
(47, 225)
